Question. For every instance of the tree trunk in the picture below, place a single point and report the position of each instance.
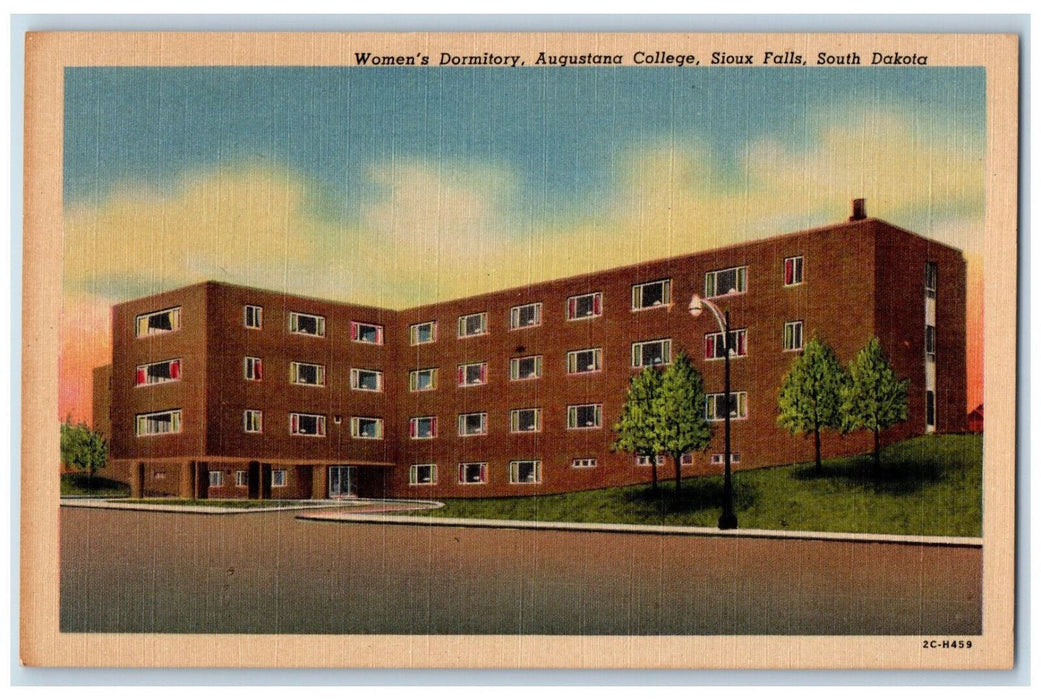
(677, 459)
(817, 447)
(876, 455)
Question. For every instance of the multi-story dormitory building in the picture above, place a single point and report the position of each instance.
(226, 391)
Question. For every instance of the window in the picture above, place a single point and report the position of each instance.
(367, 428)
(157, 322)
(686, 459)
(278, 478)
(930, 410)
(422, 333)
(473, 374)
(306, 324)
(584, 416)
(366, 333)
(473, 424)
(526, 471)
(526, 316)
(582, 361)
(733, 280)
(216, 478)
(583, 463)
(735, 458)
(584, 306)
(422, 379)
(793, 336)
(652, 294)
(158, 372)
(714, 349)
(793, 271)
(253, 369)
(473, 473)
(366, 379)
(241, 478)
(645, 461)
(307, 424)
(253, 316)
(715, 405)
(306, 373)
(932, 275)
(525, 420)
(423, 428)
(652, 352)
(159, 423)
(930, 343)
(474, 324)
(252, 421)
(422, 474)
(525, 367)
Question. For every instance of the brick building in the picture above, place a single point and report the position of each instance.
(225, 391)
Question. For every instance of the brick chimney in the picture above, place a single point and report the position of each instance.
(859, 210)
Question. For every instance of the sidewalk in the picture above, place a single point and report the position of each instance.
(688, 531)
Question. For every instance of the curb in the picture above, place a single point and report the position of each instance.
(115, 504)
(675, 530)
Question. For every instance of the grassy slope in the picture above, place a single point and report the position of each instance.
(925, 486)
(82, 485)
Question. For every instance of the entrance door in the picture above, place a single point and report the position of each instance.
(343, 482)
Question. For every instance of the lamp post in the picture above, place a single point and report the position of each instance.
(728, 519)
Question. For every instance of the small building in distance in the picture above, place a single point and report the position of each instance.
(220, 390)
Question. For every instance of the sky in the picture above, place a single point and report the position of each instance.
(402, 186)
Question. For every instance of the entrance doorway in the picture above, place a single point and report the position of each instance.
(343, 482)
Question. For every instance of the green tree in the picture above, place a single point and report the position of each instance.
(636, 427)
(811, 395)
(680, 425)
(82, 448)
(875, 398)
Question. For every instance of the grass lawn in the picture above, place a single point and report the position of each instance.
(930, 485)
(83, 485)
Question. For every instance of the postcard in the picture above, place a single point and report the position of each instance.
(519, 350)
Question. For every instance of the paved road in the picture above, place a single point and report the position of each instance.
(126, 571)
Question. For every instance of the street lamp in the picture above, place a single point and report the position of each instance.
(728, 519)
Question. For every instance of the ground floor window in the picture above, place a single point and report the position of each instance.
(473, 473)
(525, 471)
(278, 478)
(216, 478)
(422, 474)
(242, 478)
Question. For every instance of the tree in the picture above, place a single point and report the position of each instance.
(82, 448)
(811, 395)
(874, 399)
(636, 427)
(679, 421)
